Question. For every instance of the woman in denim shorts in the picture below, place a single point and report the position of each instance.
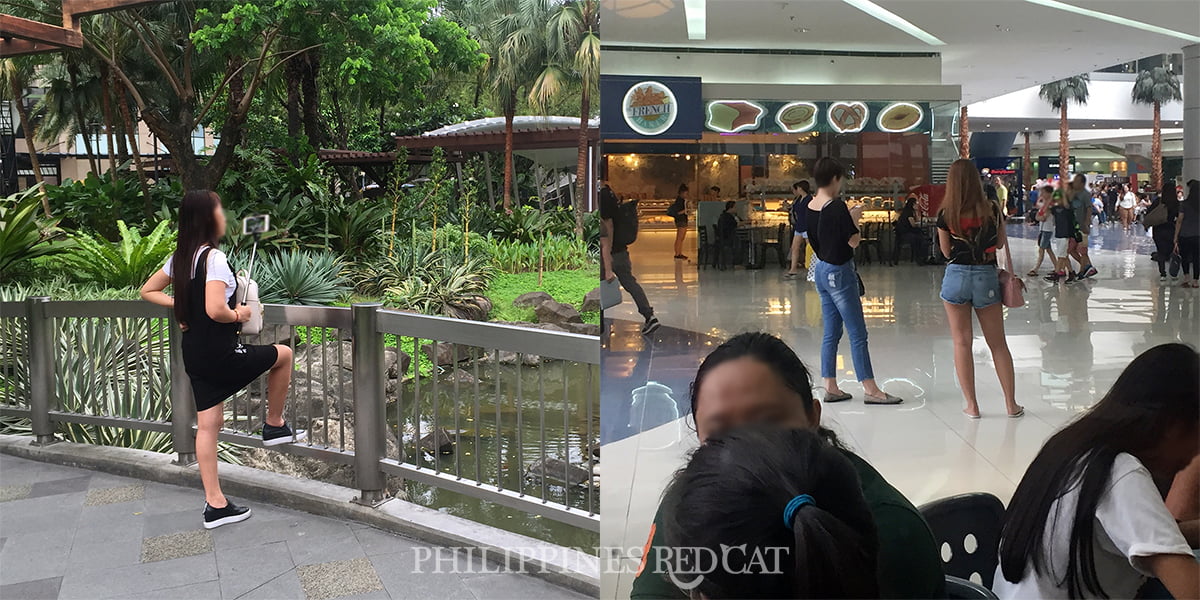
(970, 228)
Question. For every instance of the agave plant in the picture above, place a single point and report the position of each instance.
(23, 234)
(125, 263)
(437, 287)
(304, 277)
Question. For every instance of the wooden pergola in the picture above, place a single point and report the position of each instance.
(20, 36)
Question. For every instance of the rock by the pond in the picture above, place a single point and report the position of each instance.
(460, 376)
(582, 328)
(594, 450)
(476, 308)
(532, 299)
(591, 301)
(444, 353)
(438, 441)
(557, 471)
(505, 357)
(398, 362)
(557, 313)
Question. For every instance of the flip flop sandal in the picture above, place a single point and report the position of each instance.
(1018, 414)
(837, 397)
(970, 416)
(1032, 274)
(886, 399)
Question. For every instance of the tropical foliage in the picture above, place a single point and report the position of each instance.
(303, 277)
(125, 263)
(24, 236)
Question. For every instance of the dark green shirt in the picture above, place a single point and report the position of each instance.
(909, 563)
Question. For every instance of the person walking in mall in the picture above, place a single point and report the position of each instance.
(618, 230)
(834, 234)
(757, 379)
(970, 229)
(678, 211)
(218, 365)
(1088, 519)
(1064, 235)
(1112, 197)
(1042, 216)
(1081, 204)
(1164, 233)
(797, 214)
(1187, 235)
(1126, 205)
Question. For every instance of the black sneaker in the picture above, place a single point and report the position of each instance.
(230, 513)
(274, 436)
(651, 325)
(1052, 277)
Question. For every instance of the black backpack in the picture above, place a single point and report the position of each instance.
(625, 224)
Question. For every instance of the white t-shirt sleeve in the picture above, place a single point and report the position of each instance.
(167, 267)
(218, 269)
(1135, 519)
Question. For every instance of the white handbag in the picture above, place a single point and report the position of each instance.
(247, 295)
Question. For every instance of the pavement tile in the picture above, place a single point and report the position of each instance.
(205, 590)
(114, 495)
(243, 570)
(14, 492)
(176, 545)
(312, 549)
(378, 541)
(516, 586)
(38, 589)
(338, 578)
(141, 578)
(78, 483)
(284, 586)
(47, 515)
(402, 581)
(33, 556)
(174, 522)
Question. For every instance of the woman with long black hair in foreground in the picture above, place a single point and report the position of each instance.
(1088, 518)
(784, 512)
(218, 365)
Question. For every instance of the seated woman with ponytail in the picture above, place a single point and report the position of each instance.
(780, 511)
(755, 378)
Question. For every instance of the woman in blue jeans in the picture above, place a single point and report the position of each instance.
(970, 229)
(833, 233)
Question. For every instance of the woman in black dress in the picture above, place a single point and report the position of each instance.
(678, 211)
(218, 365)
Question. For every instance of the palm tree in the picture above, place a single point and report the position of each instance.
(1059, 94)
(1154, 87)
(16, 78)
(573, 45)
(72, 91)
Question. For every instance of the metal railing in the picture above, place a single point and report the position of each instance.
(500, 413)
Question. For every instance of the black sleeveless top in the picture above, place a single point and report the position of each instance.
(206, 339)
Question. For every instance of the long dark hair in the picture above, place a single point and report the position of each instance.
(1157, 390)
(735, 492)
(965, 197)
(1168, 196)
(197, 227)
(775, 354)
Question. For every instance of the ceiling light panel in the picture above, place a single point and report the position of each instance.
(1095, 14)
(895, 20)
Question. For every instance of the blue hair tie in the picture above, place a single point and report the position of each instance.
(793, 505)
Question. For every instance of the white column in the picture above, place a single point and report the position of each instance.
(1191, 112)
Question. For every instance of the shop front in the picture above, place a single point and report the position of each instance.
(752, 149)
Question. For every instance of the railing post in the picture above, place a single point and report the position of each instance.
(42, 395)
(370, 425)
(183, 407)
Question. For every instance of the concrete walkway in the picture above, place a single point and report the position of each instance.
(73, 533)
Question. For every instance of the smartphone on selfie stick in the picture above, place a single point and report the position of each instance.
(255, 226)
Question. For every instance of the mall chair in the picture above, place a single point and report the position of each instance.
(962, 589)
(870, 241)
(967, 529)
(776, 246)
(706, 251)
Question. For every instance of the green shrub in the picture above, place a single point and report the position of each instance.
(23, 235)
(437, 286)
(303, 277)
(62, 288)
(97, 202)
(556, 254)
(127, 262)
(528, 223)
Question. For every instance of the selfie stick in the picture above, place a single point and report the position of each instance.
(253, 252)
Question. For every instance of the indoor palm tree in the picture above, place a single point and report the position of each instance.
(573, 46)
(1059, 94)
(1154, 87)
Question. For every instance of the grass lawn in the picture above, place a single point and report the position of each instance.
(567, 287)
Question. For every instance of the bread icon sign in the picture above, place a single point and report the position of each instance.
(848, 117)
(797, 117)
(731, 116)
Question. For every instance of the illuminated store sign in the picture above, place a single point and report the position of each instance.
(900, 117)
(650, 108)
(797, 117)
(732, 116)
(848, 117)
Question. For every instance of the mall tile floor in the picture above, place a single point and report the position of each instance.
(73, 533)
(1069, 343)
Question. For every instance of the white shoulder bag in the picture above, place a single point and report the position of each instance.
(247, 295)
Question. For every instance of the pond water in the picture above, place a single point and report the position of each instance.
(497, 421)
